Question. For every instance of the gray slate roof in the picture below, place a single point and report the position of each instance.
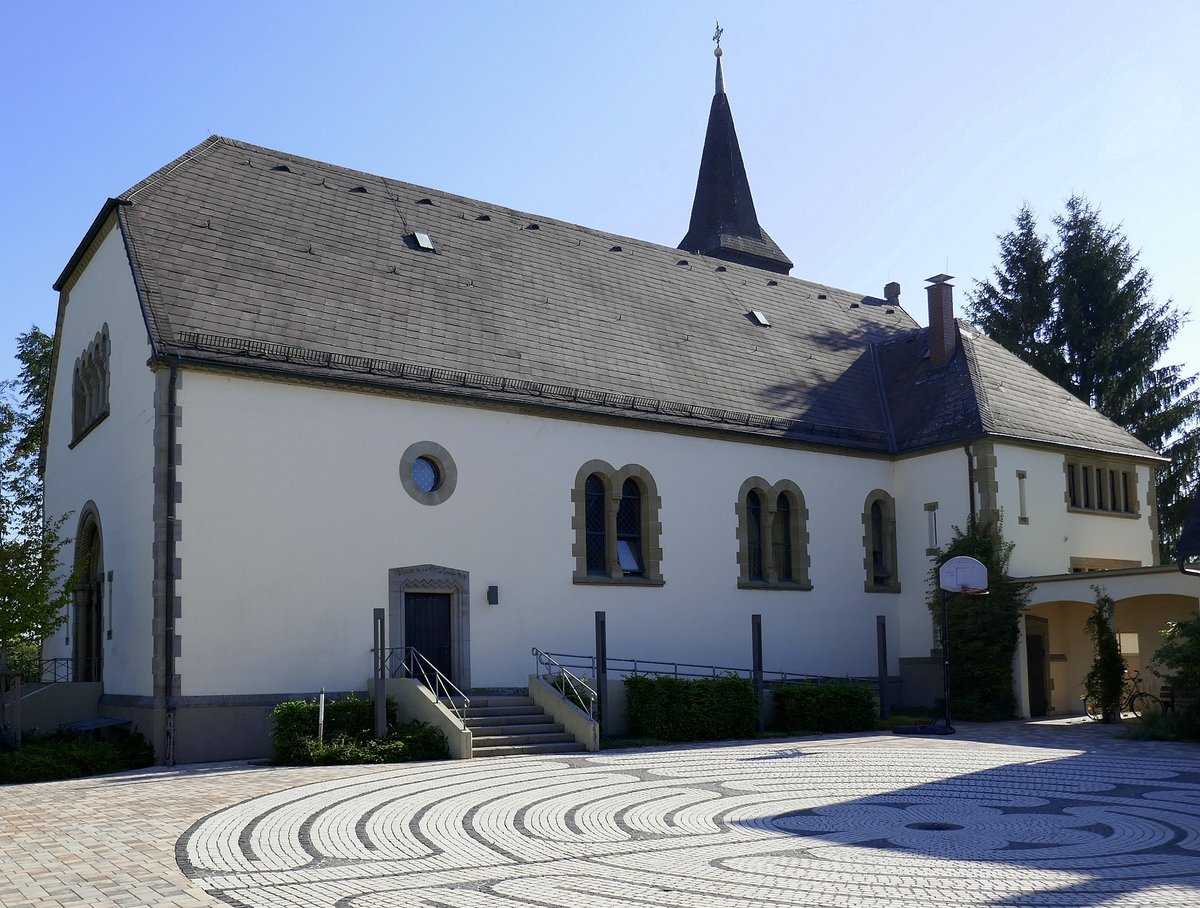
(254, 259)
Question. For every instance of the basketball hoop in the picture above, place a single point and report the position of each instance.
(966, 576)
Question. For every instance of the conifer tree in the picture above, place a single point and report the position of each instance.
(1083, 315)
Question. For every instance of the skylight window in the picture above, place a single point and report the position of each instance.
(423, 240)
(759, 318)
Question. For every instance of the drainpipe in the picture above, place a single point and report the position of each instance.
(970, 479)
(169, 576)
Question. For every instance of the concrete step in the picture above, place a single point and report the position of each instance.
(506, 750)
(492, 729)
(488, 701)
(535, 738)
(483, 712)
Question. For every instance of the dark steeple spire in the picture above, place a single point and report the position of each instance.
(724, 224)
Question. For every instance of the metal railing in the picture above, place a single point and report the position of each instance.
(56, 671)
(407, 662)
(625, 667)
(572, 687)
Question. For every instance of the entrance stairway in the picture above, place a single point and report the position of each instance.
(501, 726)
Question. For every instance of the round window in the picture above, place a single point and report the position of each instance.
(426, 475)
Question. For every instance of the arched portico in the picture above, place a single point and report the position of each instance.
(1055, 650)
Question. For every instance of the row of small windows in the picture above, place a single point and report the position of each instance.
(89, 385)
(617, 532)
(1095, 487)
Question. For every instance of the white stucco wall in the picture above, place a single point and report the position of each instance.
(1053, 535)
(293, 512)
(936, 477)
(113, 464)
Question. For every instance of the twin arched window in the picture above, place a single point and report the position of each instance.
(772, 536)
(616, 525)
(89, 386)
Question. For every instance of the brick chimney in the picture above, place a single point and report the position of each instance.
(943, 333)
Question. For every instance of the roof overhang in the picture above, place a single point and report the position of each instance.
(106, 211)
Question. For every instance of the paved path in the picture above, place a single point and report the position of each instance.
(1012, 815)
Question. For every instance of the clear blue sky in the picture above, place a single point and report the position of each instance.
(884, 141)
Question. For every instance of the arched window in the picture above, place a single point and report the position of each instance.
(781, 538)
(89, 386)
(772, 536)
(879, 542)
(754, 534)
(616, 525)
(596, 526)
(629, 530)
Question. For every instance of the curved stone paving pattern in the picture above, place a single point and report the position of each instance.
(868, 821)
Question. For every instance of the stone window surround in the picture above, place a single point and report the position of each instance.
(447, 470)
(613, 480)
(931, 509)
(889, 543)
(433, 578)
(769, 495)
(1102, 467)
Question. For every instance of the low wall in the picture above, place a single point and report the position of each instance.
(416, 703)
(48, 706)
(571, 717)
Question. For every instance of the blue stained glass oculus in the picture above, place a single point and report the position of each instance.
(425, 474)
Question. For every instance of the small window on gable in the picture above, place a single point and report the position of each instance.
(616, 526)
(772, 536)
(89, 386)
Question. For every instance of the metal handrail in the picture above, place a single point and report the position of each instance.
(569, 685)
(694, 670)
(55, 671)
(414, 665)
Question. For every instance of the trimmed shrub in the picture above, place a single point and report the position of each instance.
(823, 708)
(349, 735)
(691, 709)
(60, 756)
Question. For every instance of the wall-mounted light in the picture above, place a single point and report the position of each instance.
(493, 595)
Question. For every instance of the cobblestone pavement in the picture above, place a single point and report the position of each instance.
(1016, 814)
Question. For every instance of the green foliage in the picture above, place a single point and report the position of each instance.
(1167, 726)
(691, 709)
(823, 708)
(1105, 680)
(983, 630)
(349, 735)
(33, 595)
(572, 691)
(61, 756)
(1082, 314)
(1177, 660)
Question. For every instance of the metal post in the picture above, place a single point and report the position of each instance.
(946, 660)
(321, 718)
(380, 677)
(881, 649)
(757, 662)
(601, 671)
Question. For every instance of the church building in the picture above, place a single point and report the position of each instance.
(286, 394)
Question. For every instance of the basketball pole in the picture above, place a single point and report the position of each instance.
(946, 662)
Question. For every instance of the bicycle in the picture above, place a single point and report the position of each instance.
(1133, 700)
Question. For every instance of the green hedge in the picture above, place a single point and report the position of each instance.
(60, 756)
(823, 708)
(349, 735)
(682, 709)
